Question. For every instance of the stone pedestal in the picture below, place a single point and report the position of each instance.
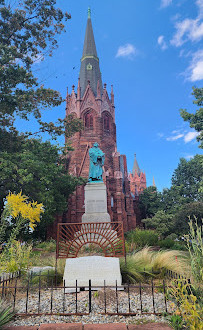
(94, 268)
(95, 203)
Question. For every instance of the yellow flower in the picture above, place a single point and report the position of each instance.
(19, 205)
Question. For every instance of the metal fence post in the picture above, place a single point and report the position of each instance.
(90, 296)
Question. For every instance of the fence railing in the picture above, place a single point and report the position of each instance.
(38, 295)
(9, 277)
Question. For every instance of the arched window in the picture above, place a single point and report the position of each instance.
(88, 120)
(106, 123)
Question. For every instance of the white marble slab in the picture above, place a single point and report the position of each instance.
(94, 268)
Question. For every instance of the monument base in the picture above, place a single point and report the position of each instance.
(95, 203)
(96, 217)
(94, 268)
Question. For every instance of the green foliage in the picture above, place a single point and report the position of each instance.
(179, 246)
(166, 243)
(37, 169)
(140, 265)
(15, 257)
(188, 177)
(47, 246)
(46, 278)
(6, 313)
(188, 211)
(150, 201)
(196, 120)
(195, 247)
(188, 307)
(176, 321)
(139, 238)
(27, 34)
(162, 222)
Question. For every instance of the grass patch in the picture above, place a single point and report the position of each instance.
(46, 246)
(147, 263)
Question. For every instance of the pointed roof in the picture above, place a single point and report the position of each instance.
(154, 185)
(136, 168)
(89, 69)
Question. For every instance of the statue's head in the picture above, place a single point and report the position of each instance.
(96, 145)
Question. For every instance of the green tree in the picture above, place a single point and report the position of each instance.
(36, 168)
(188, 211)
(188, 179)
(28, 31)
(162, 222)
(150, 202)
(196, 120)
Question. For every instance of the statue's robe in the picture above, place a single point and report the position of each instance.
(96, 163)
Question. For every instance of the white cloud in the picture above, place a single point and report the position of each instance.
(195, 70)
(189, 29)
(162, 43)
(182, 134)
(165, 3)
(127, 50)
(174, 137)
(190, 136)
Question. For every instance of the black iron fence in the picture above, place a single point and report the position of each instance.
(38, 295)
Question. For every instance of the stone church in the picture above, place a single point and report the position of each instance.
(95, 107)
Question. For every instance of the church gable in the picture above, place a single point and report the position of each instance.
(89, 101)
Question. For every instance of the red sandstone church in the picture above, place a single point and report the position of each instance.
(96, 108)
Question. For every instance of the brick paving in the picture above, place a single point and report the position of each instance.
(80, 326)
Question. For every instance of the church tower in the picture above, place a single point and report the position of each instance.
(95, 107)
(137, 179)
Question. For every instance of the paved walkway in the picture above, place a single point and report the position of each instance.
(80, 326)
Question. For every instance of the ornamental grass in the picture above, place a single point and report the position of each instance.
(147, 263)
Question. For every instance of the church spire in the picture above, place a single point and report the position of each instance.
(89, 69)
(136, 167)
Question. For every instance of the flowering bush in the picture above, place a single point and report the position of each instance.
(20, 210)
(16, 255)
(187, 306)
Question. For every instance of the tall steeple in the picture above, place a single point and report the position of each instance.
(136, 167)
(89, 69)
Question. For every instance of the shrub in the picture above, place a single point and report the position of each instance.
(6, 314)
(187, 305)
(145, 263)
(15, 257)
(179, 246)
(176, 322)
(195, 247)
(47, 246)
(166, 243)
(140, 238)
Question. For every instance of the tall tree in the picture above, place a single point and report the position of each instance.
(37, 169)
(196, 120)
(188, 178)
(28, 31)
(150, 201)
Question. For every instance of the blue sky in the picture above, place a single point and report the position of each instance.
(152, 53)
